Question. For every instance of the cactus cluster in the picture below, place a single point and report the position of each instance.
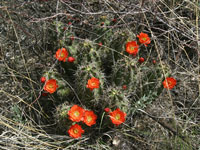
(107, 72)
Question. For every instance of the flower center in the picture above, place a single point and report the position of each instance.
(144, 39)
(169, 82)
(62, 55)
(89, 118)
(50, 86)
(93, 83)
(75, 131)
(117, 117)
(132, 48)
(76, 113)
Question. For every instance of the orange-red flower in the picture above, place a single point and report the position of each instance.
(76, 113)
(93, 83)
(132, 47)
(61, 54)
(117, 116)
(169, 83)
(89, 118)
(75, 131)
(144, 38)
(51, 86)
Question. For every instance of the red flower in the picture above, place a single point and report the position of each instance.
(154, 62)
(144, 38)
(169, 83)
(132, 47)
(51, 86)
(107, 109)
(69, 23)
(89, 118)
(42, 79)
(124, 87)
(141, 60)
(117, 116)
(100, 44)
(71, 59)
(44, 94)
(72, 38)
(76, 113)
(61, 55)
(102, 23)
(75, 131)
(93, 83)
(114, 20)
